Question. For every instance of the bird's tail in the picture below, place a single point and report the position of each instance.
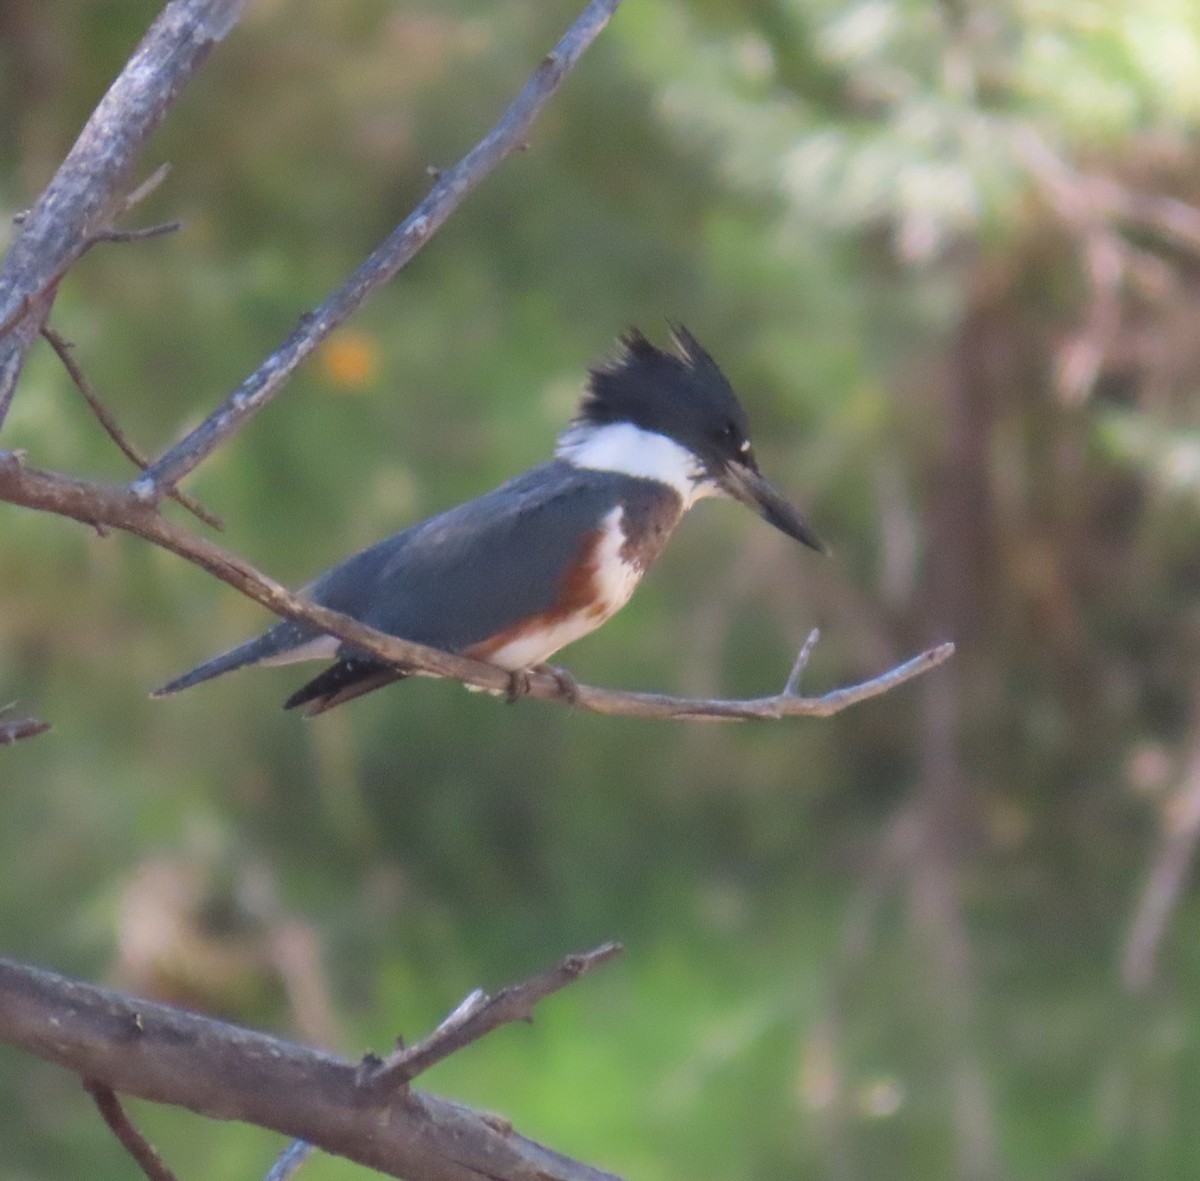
(343, 682)
(254, 651)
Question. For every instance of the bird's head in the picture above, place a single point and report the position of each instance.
(672, 416)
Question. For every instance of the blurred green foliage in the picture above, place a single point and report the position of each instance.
(885, 945)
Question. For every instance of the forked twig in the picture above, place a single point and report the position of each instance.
(478, 1015)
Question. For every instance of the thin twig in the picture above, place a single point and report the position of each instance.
(131, 1139)
(104, 416)
(138, 235)
(792, 688)
(15, 729)
(289, 1160)
(119, 508)
(385, 261)
(138, 195)
(478, 1015)
(166, 1055)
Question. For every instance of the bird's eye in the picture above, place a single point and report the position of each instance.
(744, 449)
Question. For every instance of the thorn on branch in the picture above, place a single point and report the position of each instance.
(131, 1139)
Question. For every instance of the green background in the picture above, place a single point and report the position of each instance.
(893, 944)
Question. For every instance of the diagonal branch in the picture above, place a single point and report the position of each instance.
(387, 259)
(120, 508)
(166, 1055)
(81, 198)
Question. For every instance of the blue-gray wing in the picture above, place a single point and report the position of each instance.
(470, 573)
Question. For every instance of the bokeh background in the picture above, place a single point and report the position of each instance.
(950, 254)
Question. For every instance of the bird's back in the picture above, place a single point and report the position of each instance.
(464, 576)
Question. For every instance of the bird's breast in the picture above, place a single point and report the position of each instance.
(597, 583)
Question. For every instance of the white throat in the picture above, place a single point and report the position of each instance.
(631, 451)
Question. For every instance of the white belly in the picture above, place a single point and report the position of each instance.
(613, 581)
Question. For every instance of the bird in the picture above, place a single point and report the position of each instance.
(521, 571)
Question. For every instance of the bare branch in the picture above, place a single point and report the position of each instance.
(478, 1015)
(62, 349)
(386, 260)
(167, 1055)
(131, 1139)
(15, 729)
(97, 504)
(79, 201)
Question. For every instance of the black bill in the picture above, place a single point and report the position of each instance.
(746, 483)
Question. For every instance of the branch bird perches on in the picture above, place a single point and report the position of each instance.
(116, 507)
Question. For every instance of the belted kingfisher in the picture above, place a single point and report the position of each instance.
(544, 559)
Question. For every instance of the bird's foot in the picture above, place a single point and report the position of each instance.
(518, 685)
(568, 688)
